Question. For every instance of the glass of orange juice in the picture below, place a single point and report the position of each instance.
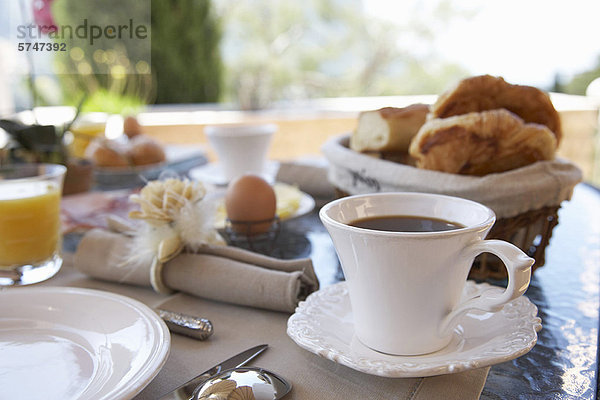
(85, 130)
(30, 235)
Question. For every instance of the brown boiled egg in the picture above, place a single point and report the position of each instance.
(250, 204)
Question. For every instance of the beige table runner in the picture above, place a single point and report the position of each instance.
(238, 328)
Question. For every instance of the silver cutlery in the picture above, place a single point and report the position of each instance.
(186, 390)
(188, 325)
(263, 384)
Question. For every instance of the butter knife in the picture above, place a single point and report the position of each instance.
(186, 390)
(188, 325)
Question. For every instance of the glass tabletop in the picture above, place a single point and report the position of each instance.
(563, 363)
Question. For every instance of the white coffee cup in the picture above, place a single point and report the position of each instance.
(241, 148)
(405, 287)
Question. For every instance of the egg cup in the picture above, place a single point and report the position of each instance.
(244, 236)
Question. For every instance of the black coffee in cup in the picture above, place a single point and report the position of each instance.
(405, 223)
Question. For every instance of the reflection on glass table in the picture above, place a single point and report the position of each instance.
(563, 363)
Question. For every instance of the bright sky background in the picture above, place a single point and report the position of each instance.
(525, 41)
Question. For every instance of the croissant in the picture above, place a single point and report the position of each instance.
(486, 92)
(480, 143)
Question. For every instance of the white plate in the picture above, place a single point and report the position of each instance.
(212, 173)
(70, 343)
(323, 325)
(174, 154)
(307, 204)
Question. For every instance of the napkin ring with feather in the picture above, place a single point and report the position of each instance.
(176, 217)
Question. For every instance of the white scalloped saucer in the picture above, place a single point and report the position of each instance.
(323, 325)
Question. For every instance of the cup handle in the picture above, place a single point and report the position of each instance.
(518, 265)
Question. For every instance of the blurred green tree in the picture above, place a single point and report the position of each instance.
(186, 58)
(109, 75)
(185, 64)
(257, 52)
(282, 50)
(579, 83)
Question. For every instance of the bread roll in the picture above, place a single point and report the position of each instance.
(103, 155)
(480, 143)
(131, 127)
(388, 129)
(486, 92)
(144, 150)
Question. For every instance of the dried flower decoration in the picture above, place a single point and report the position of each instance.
(177, 217)
(161, 201)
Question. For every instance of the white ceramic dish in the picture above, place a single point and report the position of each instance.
(179, 159)
(213, 174)
(72, 343)
(241, 147)
(307, 204)
(174, 154)
(323, 325)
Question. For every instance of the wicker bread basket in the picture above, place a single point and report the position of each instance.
(526, 201)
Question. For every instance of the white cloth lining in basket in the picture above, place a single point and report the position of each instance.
(542, 184)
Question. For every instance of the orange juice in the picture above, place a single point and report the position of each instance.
(29, 222)
(83, 136)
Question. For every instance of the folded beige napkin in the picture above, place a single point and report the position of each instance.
(310, 175)
(221, 273)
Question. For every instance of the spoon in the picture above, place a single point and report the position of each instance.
(245, 383)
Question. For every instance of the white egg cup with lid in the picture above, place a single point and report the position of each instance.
(241, 148)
